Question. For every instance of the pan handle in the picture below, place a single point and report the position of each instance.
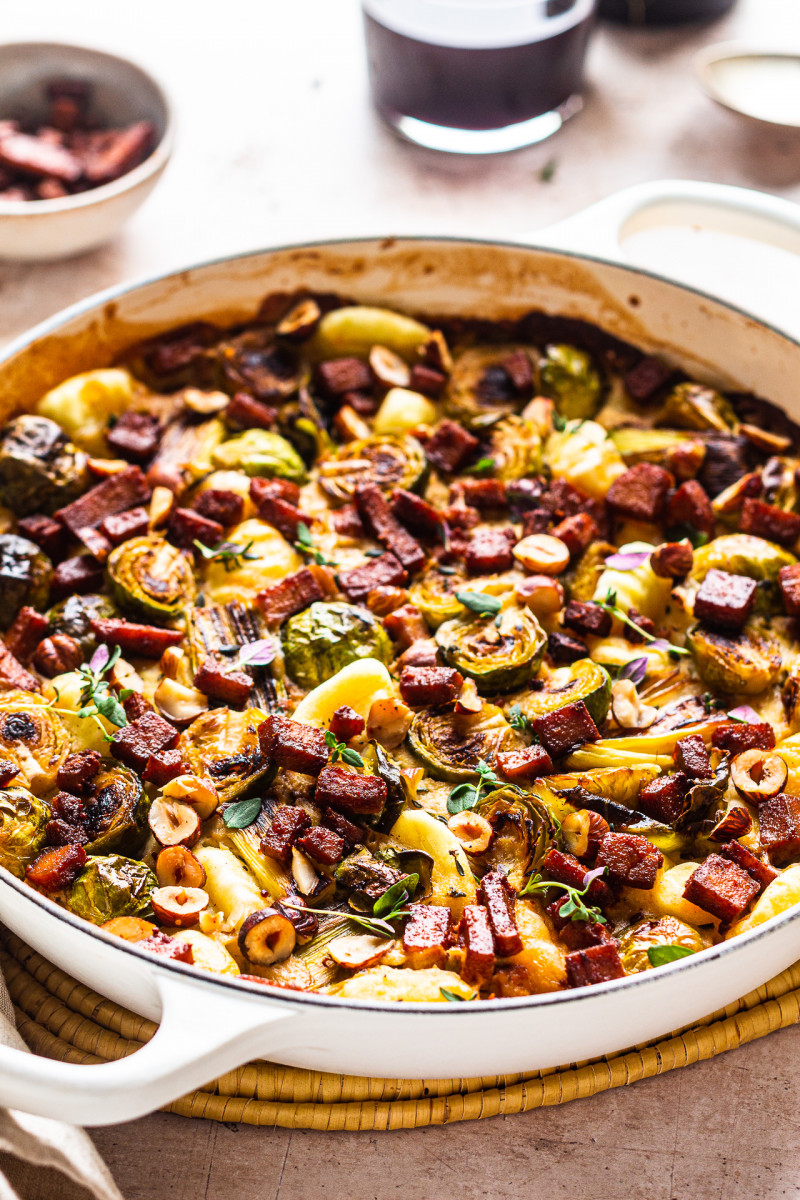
(599, 229)
(201, 1035)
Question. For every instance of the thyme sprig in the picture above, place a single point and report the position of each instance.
(388, 907)
(574, 907)
(517, 719)
(342, 750)
(305, 544)
(96, 697)
(610, 605)
(467, 795)
(230, 554)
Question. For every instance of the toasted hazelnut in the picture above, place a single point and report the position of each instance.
(758, 775)
(177, 867)
(300, 321)
(583, 830)
(303, 873)
(267, 936)
(350, 426)
(685, 459)
(388, 367)
(131, 929)
(104, 468)
(161, 503)
(204, 403)
(179, 906)
(672, 560)
(468, 700)
(735, 824)
(200, 793)
(388, 722)
(627, 709)
(541, 594)
(174, 822)
(542, 554)
(358, 950)
(171, 661)
(57, 654)
(179, 703)
(540, 411)
(472, 830)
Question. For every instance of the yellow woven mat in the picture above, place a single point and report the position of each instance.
(61, 1018)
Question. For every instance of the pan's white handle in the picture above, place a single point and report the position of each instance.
(599, 229)
(200, 1037)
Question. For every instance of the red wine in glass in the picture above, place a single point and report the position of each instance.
(477, 76)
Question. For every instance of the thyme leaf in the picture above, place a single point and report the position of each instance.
(230, 554)
(574, 907)
(342, 750)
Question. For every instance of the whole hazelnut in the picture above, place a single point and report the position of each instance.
(57, 654)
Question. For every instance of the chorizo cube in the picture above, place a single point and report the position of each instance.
(290, 596)
(725, 601)
(640, 492)
(323, 845)
(276, 509)
(476, 935)
(721, 887)
(77, 771)
(119, 527)
(490, 551)
(163, 766)
(380, 521)
(220, 504)
(530, 763)
(744, 858)
(405, 625)
(426, 935)
(689, 505)
(14, 675)
(350, 834)
(770, 522)
(415, 513)
(76, 577)
(293, 745)
(145, 641)
(789, 583)
(339, 788)
(187, 526)
(288, 823)
(587, 618)
(576, 532)
(386, 571)
(565, 868)
(27, 630)
(577, 935)
(664, 798)
(135, 436)
(450, 447)
(779, 826)
(566, 729)
(647, 378)
(56, 869)
(148, 734)
(736, 738)
(499, 897)
(427, 380)
(49, 534)
(422, 686)
(629, 859)
(691, 757)
(8, 771)
(215, 679)
(340, 375)
(346, 723)
(565, 649)
(347, 523)
(487, 495)
(595, 964)
(245, 412)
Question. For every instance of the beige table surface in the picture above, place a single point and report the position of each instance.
(276, 142)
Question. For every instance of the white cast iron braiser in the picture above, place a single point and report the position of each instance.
(209, 1024)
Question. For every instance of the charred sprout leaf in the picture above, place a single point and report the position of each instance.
(25, 574)
(230, 554)
(467, 795)
(40, 471)
(242, 813)
(480, 602)
(118, 814)
(389, 906)
(342, 750)
(96, 696)
(151, 576)
(453, 997)
(499, 652)
(661, 955)
(574, 908)
(450, 744)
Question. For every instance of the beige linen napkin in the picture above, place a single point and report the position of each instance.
(37, 1153)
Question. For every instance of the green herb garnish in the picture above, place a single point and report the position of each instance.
(386, 908)
(230, 554)
(574, 908)
(242, 813)
(610, 605)
(661, 955)
(467, 795)
(484, 466)
(480, 602)
(305, 544)
(453, 997)
(342, 750)
(96, 696)
(517, 719)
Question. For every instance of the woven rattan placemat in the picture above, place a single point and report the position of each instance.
(61, 1018)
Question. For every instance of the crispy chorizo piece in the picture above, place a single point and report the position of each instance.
(663, 798)
(565, 649)
(27, 630)
(135, 436)
(487, 495)
(39, 157)
(566, 729)
(421, 686)
(339, 788)
(721, 887)
(55, 869)
(350, 834)
(519, 369)
(449, 447)
(148, 734)
(770, 522)
(48, 534)
(530, 763)
(691, 757)
(744, 858)
(405, 625)
(136, 706)
(77, 771)
(277, 505)
(221, 505)
(565, 868)
(119, 492)
(498, 895)
(789, 582)
(8, 771)
(689, 505)
(187, 526)
(740, 737)
(69, 824)
(629, 859)
(215, 679)
(587, 618)
(427, 935)
(386, 571)
(641, 492)
(119, 527)
(346, 723)
(489, 551)
(287, 825)
(245, 412)
(475, 932)
(347, 523)
(644, 381)
(290, 596)
(644, 624)
(422, 653)
(576, 532)
(339, 375)
(595, 964)
(121, 150)
(577, 935)
(685, 459)
(725, 601)
(13, 674)
(145, 641)
(323, 845)
(378, 519)
(779, 827)
(163, 766)
(167, 946)
(178, 349)
(427, 379)
(293, 745)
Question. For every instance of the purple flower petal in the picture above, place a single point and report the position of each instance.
(595, 874)
(99, 659)
(258, 654)
(628, 561)
(745, 713)
(635, 670)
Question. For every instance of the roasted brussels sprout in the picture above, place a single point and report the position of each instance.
(32, 736)
(643, 936)
(646, 445)
(523, 832)
(23, 818)
(581, 581)
(497, 652)
(452, 744)
(365, 878)
(746, 662)
(695, 406)
(40, 470)
(260, 452)
(480, 390)
(410, 862)
(150, 576)
(435, 596)
(222, 745)
(582, 680)
(255, 362)
(83, 404)
(73, 616)
(391, 462)
(112, 886)
(25, 574)
(355, 329)
(117, 812)
(323, 638)
(741, 554)
(516, 448)
(569, 377)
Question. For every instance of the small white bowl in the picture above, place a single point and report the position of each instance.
(761, 83)
(122, 93)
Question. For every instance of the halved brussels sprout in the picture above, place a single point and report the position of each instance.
(82, 405)
(497, 652)
(323, 638)
(644, 935)
(73, 616)
(25, 574)
(581, 581)
(390, 461)
(620, 785)
(222, 744)
(410, 862)
(516, 448)
(40, 470)
(746, 662)
(355, 329)
(452, 744)
(112, 886)
(695, 406)
(260, 452)
(435, 596)
(301, 421)
(150, 576)
(365, 878)
(479, 390)
(255, 362)
(582, 680)
(23, 818)
(32, 736)
(523, 833)
(741, 554)
(118, 811)
(646, 445)
(569, 376)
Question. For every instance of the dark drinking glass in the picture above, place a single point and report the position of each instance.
(477, 76)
